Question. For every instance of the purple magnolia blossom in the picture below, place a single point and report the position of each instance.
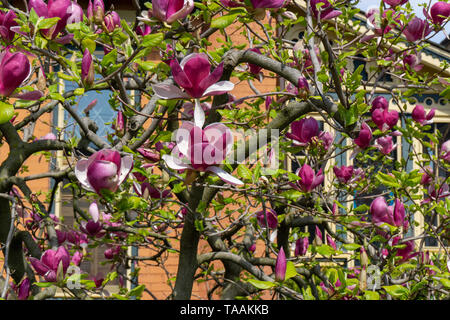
(374, 21)
(417, 29)
(171, 10)
(87, 68)
(267, 4)
(253, 68)
(303, 131)
(98, 11)
(344, 173)
(144, 189)
(427, 174)
(93, 227)
(331, 242)
(364, 138)
(75, 13)
(52, 263)
(280, 266)
(383, 118)
(439, 12)
(7, 20)
(412, 61)
(385, 144)
(202, 149)
(149, 155)
(194, 75)
(23, 291)
(54, 9)
(309, 180)
(405, 253)
(105, 169)
(15, 69)
(318, 237)
(188, 108)
(301, 246)
(143, 29)
(394, 3)
(420, 116)
(445, 151)
(379, 102)
(382, 213)
(112, 21)
(272, 220)
(326, 11)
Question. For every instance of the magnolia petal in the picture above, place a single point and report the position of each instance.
(220, 136)
(29, 95)
(126, 165)
(225, 176)
(182, 137)
(81, 174)
(219, 88)
(169, 91)
(199, 114)
(175, 163)
(93, 211)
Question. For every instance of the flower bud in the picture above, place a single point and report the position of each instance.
(280, 266)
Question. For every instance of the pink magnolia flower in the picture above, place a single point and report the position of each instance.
(393, 215)
(267, 4)
(87, 68)
(439, 12)
(171, 10)
(143, 29)
(344, 173)
(52, 263)
(7, 21)
(23, 291)
(272, 220)
(75, 13)
(375, 23)
(280, 266)
(15, 68)
(331, 242)
(364, 138)
(326, 11)
(253, 68)
(385, 144)
(309, 180)
(94, 226)
(112, 21)
(303, 131)
(194, 75)
(427, 175)
(394, 3)
(188, 108)
(381, 116)
(379, 102)
(301, 246)
(144, 189)
(202, 149)
(405, 253)
(104, 169)
(417, 29)
(445, 151)
(420, 116)
(54, 9)
(412, 61)
(98, 11)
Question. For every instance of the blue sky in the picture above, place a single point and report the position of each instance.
(365, 4)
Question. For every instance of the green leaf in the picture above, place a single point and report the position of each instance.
(224, 21)
(371, 295)
(152, 40)
(290, 270)
(445, 282)
(244, 172)
(78, 91)
(6, 112)
(137, 291)
(47, 23)
(387, 180)
(110, 58)
(325, 250)
(351, 246)
(261, 284)
(397, 291)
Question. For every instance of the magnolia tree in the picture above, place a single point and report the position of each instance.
(194, 162)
